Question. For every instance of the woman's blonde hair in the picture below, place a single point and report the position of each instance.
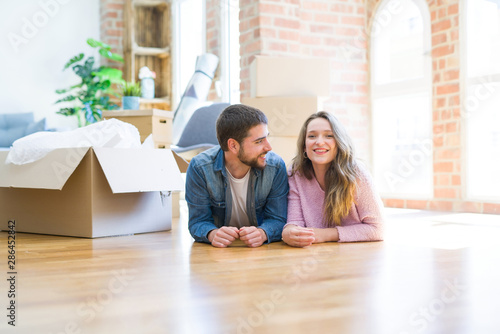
(340, 178)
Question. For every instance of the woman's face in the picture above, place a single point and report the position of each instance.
(320, 145)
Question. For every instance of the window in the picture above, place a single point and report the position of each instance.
(230, 51)
(401, 99)
(482, 99)
(189, 42)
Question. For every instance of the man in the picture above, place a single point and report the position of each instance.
(237, 190)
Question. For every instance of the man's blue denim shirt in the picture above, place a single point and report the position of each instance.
(209, 199)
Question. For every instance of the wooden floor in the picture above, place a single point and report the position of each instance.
(435, 273)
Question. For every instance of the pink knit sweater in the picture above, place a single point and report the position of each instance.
(364, 221)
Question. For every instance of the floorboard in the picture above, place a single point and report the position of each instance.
(435, 273)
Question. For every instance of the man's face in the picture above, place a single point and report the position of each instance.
(254, 147)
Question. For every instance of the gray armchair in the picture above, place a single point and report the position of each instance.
(199, 133)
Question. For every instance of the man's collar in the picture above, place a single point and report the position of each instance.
(219, 164)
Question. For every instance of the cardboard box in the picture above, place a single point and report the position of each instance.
(152, 121)
(285, 76)
(286, 147)
(90, 192)
(176, 208)
(286, 115)
(156, 103)
(176, 196)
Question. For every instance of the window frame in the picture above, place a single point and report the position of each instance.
(465, 83)
(226, 93)
(405, 87)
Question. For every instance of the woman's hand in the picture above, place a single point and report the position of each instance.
(297, 236)
(325, 235)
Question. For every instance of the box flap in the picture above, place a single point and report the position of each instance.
(50, 172)
(181, 163)
(139, 170)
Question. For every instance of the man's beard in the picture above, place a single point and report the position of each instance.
(252, 162)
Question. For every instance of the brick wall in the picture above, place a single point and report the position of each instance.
(213, 36)
(111, 12)
(250, 41)
(446, 103)
(213, 26)
(315, 28)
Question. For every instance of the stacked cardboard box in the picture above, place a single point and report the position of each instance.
(288, 91)
(150, 121)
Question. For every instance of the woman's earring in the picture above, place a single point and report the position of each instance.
(305, 155)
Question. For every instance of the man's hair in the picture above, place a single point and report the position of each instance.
(235, 121)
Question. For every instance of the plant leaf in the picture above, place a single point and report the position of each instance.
(104, 85)
(97, 114)
(95, 43)
(112, 74)
(73, 60)
(110, 55)
(131, 89)
(87, 108)
(65, 90)
(89, 63)
(66, 99)
(68, 111)
(85, 71)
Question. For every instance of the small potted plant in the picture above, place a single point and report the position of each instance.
(131, 93)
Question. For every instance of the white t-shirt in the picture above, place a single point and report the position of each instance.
(239, 190)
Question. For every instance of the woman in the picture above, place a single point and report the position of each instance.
(332, 197)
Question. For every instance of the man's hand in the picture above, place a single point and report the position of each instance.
(223, 237)
(252, 236)
(298, 236)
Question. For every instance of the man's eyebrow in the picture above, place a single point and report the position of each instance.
(260, 138)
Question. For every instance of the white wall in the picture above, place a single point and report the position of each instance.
(37, 37)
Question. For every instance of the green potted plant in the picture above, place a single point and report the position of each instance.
(131, 93)
(91, 95)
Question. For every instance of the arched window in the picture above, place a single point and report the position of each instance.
(481, 107)
(402, 99)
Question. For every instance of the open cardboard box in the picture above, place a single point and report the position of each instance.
(90, 192)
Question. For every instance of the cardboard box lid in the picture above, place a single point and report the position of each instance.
(181, 163)
(50, 172)
(138, 170)
(126, 169)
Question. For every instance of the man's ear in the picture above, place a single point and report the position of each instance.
(233, 145)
